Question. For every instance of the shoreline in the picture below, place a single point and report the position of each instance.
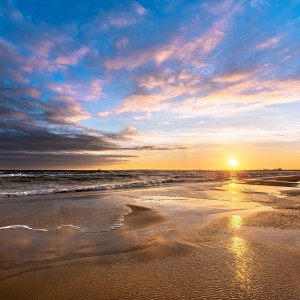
(172, 228)
(17, 184)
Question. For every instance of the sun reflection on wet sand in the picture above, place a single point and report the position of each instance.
(235, 221)
(240, 248)
(243, 258)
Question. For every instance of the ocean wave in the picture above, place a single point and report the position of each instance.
(13, 175)
(29, 183)
(127, 185)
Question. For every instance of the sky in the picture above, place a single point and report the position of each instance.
(150, 84)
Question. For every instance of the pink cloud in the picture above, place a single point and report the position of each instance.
(130, 62)
(66, 108)
(104, 114)
(139, 9)
(170, 86)
(244, 95)
(33, 92)
(139, 103)
(80, 91)
(222, 95)
(129, 131)
(193, 52)
(117, 18)
(121, 21)
(40, 49)
(268, 43)
(233, 77)
(72, 58)
(43, 48)
(11, 62)
(94, 90)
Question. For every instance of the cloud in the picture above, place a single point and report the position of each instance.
(25, 101)
(224, 130)
(240, 95)
(104, 114)
(219, 7)
(159, 92)
(119, 21)
(147, 116)
(11, 63)
(268, 43)
(122, 42)
(189, 95)
(63, 108)
(38, 46)
(141, 102)
(72, 58)
(139, 9)
(29, 138)
(119, 18)
(80, 91)
(129, 131)
(54, 161)
(198, 49)
(29, 146)
(33, 130)
(192, 51)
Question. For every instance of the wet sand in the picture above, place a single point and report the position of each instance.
(220, 240)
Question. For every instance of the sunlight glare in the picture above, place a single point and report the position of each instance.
(233, 162)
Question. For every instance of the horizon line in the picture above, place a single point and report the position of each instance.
(147, 169)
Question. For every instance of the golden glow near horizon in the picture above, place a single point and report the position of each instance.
(207, 159)
(233, 162)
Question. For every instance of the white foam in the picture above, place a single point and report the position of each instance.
(39, 229)
(69, 225)
(22, 226)
(118, 224)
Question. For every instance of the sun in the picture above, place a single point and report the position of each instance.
(233, 162)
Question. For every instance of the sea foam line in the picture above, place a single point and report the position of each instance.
(22, 226)
(118, 224)
(39, 229)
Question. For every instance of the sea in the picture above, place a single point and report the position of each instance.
(24, 183)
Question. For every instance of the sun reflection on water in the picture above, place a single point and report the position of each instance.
(233, 187)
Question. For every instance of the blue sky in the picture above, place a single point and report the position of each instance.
(149, 84)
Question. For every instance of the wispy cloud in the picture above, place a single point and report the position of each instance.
(268, 43)
(72, 58)
(178, 49)
(86, 91)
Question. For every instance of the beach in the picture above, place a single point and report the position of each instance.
(149, 150)
(216, 239)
